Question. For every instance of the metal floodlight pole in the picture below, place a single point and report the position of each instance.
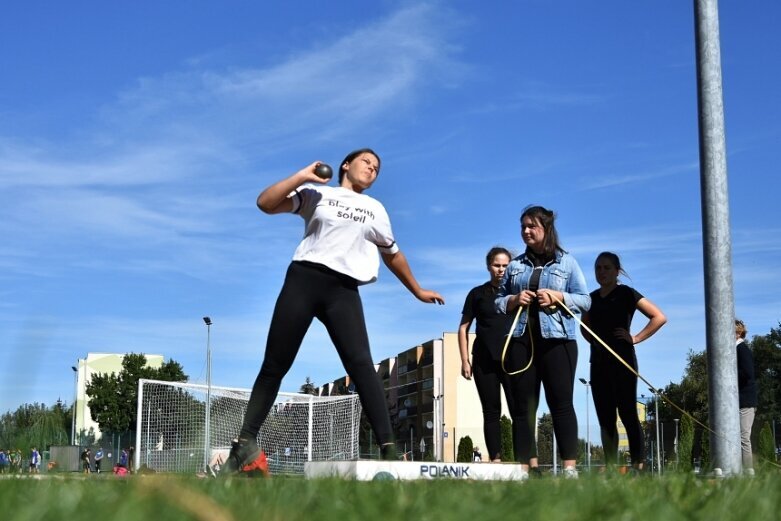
(75, 399)
(717, 247)
(587, 383)
(207, 436)
(662, 462)
(658, 449)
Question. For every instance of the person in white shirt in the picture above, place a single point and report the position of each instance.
(344, 230)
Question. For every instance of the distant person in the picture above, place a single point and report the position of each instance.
(123, 459)
(5, 462)
(613, 385)
(344, 229)
(98, 459)
(35, 461)
(218, 458)
(131, 459)
(476, 454)
(543, 350)
(16, 461)
(85, 461)
(747, 395)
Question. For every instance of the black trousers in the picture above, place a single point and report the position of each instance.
(314, 291)
(553, 366)
(614, 388)
(490, 380)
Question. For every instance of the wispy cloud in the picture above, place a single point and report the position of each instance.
(617, 180)
(148, 177)
(541, 96)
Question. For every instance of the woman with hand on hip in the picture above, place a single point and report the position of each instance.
(613, 385)
(543, 348)
(344, 230)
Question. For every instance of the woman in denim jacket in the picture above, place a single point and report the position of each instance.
(545, 352)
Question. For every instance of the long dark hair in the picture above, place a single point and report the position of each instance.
(355, 153)
(546, 218)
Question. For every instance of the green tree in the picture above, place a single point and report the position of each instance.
(691, 394)
(465, 448)
(545, 439)
(506, 428)
(685, 444)
(766, 350)
(113, 397)
(766, 447)
(308, 387)
(704, 449)
(35, 425)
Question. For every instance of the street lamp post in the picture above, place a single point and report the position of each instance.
(75, 399)
(207, 440)
(664, 450)
(587, 383)
(658, 449)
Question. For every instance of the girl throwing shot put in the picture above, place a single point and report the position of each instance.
(343, 231)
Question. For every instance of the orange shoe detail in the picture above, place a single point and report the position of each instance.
(260, 464)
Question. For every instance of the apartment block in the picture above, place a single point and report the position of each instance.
(432, 407)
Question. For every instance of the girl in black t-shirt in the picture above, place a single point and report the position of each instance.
(613, 385)
(485, 365)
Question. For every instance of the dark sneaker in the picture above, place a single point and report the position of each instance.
(535, 472)
(388, 451)
(245, 456)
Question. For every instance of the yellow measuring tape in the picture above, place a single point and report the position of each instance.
(632, 369)
(507, 343)
(611, 351)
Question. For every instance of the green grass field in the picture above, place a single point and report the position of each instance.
(153, 498)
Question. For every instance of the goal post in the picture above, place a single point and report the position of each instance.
(171, 427)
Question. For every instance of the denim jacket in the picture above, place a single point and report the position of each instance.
(561, 274)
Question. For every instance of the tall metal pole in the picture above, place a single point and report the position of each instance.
(664, 451)
(717, 248)
(207, 436)
(587, 383)
(75, 400)
(658, 449)
(84, 402)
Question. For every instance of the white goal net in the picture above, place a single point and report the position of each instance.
(171, 427)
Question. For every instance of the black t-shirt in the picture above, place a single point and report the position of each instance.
(492, 326)
(614, 310)
(747, 383)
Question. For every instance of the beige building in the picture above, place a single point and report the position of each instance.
(431, 405)
(623, 441)
(84, 369)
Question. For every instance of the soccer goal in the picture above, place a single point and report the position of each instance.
(171, 427)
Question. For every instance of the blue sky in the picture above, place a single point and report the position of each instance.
(135, 137)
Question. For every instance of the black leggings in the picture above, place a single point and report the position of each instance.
(490, 378)
(615, 387)
(553, 366)
(314, 291)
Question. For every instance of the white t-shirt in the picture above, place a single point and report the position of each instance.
(343, 230)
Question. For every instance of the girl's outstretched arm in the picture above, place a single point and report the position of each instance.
(397, 263)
